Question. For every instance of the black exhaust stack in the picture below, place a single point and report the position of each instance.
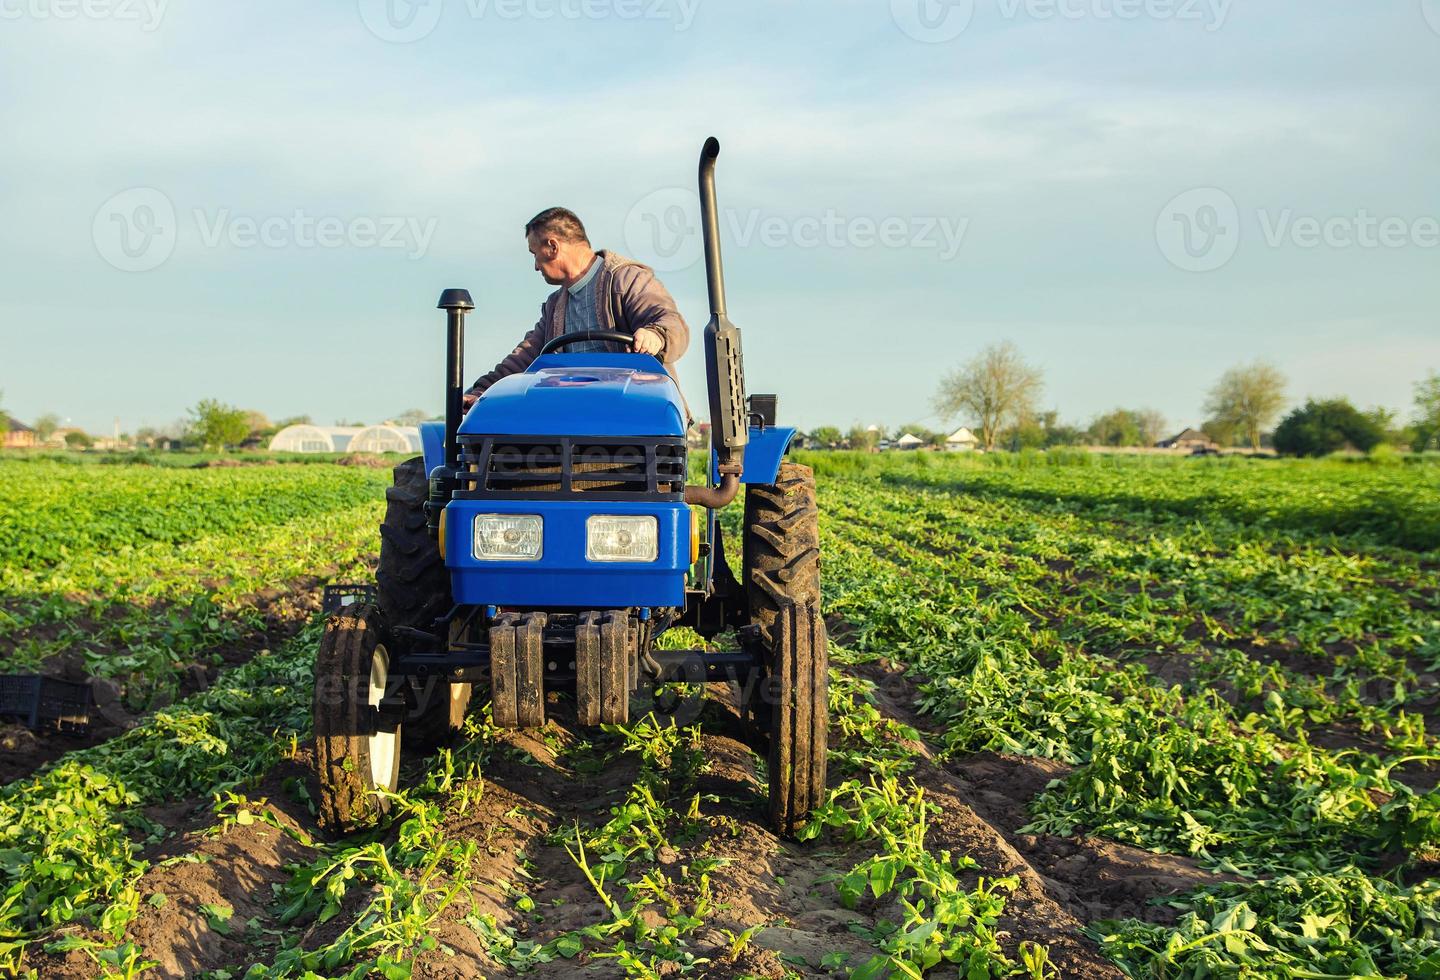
(729, 431)
(456, 303)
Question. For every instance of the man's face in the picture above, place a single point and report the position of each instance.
(547, 258)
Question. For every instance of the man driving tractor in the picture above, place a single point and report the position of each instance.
(598, 291)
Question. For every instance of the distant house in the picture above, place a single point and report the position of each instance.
(19, 435)
(698, 436)
(961, 440)
(909, 441)
(1189, 441)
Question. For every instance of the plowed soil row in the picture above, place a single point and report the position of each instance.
(538, 786)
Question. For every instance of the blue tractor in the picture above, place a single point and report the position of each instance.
(544, 542)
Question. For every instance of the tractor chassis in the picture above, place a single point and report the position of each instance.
(564, 643)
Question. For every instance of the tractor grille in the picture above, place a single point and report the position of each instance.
(540, 467)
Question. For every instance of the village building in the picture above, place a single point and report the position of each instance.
(1191, 440)
(19, 435)
(962, 440)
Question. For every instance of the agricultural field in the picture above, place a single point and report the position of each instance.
(1091, 717)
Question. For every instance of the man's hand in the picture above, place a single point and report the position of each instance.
(468, 399)
(648, 341)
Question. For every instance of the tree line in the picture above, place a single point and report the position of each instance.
(997, 393)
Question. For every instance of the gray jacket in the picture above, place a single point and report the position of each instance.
(627, 297)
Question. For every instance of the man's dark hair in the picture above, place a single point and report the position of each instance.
(558, 223)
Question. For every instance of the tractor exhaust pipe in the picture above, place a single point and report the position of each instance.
(710, 223)
(724, 370)
(443, 479)
(456, 303)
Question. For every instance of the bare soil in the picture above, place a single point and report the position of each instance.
(538, 787)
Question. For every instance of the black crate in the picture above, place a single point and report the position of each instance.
(337, 597)
(40, 702)
(765, 406)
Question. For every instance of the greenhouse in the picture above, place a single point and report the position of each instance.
(314, 438)
(386, 439)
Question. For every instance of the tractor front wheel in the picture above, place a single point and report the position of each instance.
(785, 707)
(414, 588)
(357, 752)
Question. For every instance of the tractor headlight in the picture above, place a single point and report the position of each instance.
(614, 537)
(508, 537)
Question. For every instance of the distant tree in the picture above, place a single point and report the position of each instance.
(826, 435)
(215, 426)
(995, 389)
(1221, 431)
(860, 437)
(342, 424)
(1120, 427)
(411, 416)
(46, 425)
(1041, 432)
(1426, 421)
(1386, 421)
(4, 416)
(257, 425)
(292, 420)
(1249, 398)
(1323, 427)
(1152, 425)
(75, 439)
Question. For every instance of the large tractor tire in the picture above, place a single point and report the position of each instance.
(414, 588)
(786, 708)
(354, 756)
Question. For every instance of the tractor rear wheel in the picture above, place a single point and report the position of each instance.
(414, 588)
(355, 754)
(785, 708)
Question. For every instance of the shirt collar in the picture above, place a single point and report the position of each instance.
(585, 279)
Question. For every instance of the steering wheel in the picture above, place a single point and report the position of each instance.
(566, 339)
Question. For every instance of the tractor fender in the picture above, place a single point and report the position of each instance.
(432, 444)
(763, 453)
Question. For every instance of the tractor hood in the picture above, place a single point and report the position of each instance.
(582, 395)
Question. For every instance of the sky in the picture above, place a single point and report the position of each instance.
(261, 202)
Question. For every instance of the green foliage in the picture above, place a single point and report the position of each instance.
(50, 512)
(66, 849)
(1427, 414)
(1344, 924)
(1120, 427)
(1391, 505)
(1016, 604)
(217, 426)
(1323, 427)
(78, 440)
